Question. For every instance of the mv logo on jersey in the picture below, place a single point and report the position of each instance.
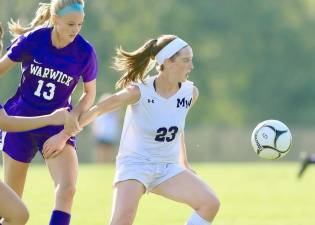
(150, 100)
(183, 102)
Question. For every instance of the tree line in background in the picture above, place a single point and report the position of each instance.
(253, 60)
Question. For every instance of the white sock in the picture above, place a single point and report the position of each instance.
(195, 219)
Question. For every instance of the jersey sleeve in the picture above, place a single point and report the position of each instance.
(19, 48)
(139, 86)
(91, 69)
(1, 107)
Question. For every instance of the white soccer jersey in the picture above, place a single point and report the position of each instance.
(152, 126)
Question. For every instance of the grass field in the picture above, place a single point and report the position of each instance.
(250, 194)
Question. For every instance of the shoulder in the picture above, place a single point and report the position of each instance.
(84, 45)
(188, 84)
(130, 94)
(134, 91)
(195, 94)
(147, 82)
(37, 34)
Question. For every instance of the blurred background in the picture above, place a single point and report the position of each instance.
(253, 59)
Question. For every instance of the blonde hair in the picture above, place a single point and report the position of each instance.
(1, 37)
(136, 64)
(42, 16)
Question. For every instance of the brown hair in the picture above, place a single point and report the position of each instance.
(42, 16)
(136, 63)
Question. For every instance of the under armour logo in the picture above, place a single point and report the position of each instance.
(150, 100)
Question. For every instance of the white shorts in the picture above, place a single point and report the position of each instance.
(149, 174)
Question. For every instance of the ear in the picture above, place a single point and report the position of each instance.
(167, 63)
(54, 19)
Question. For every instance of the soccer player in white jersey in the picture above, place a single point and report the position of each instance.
(152, 152)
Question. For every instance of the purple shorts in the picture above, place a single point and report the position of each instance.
(23, 146)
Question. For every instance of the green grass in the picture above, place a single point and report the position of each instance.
(250, 194)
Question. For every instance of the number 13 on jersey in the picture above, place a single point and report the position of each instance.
(48, 95)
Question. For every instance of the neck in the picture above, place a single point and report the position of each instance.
(165, 85)
(57, 40)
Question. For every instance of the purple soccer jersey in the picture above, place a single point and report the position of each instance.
(49, 76)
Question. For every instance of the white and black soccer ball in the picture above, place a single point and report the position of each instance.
(271, 139)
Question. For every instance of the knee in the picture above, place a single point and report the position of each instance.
(66, 191)
(21, 216)
(210, 206)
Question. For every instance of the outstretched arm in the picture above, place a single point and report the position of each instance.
(124, 97)
(18, 123)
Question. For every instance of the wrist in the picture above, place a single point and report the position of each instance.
(65, 135)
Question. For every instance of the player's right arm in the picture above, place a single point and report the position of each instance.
(19, 123)
(124, 97)
(5, 63)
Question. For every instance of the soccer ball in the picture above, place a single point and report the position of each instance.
(271, 139)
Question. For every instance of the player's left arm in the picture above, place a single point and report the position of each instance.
(72, 125)
(183, 153)
(86, 101)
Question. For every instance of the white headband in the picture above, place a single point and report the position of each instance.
(169, 50)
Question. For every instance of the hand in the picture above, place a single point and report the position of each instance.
(72, 126)
(55, 145)
(59, 116)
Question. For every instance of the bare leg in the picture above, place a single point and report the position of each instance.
(187, 188)
(64, 171)
(14, 173)
(12, 208)
(125, 202)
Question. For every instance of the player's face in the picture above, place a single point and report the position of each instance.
(182, 64)
(69, 25)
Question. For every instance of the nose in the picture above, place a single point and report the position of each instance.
(76, 29)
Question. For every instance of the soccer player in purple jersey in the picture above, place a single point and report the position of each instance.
(12, 210)
(53, 58)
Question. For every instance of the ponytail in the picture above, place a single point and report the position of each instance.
(42, 18)
(138, 63)
(135, 64)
